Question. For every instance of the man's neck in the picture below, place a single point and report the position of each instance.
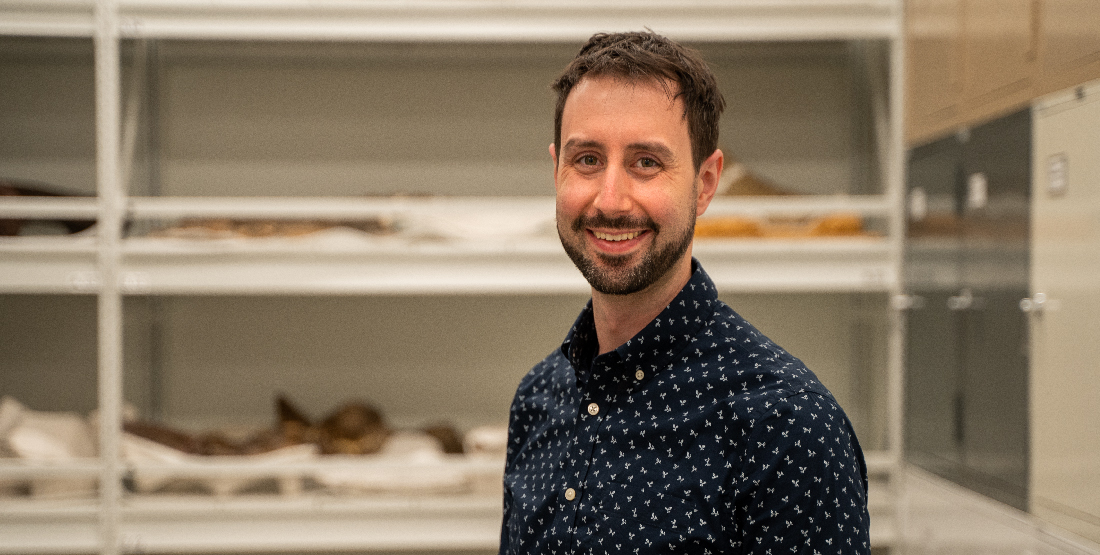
(620, 317)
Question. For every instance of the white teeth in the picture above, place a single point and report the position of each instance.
(616, 236)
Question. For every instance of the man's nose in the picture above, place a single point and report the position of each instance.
(613, 195)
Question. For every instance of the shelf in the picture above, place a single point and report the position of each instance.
(164, 523)
(48, 265)
(460, 20)
(11, 469)
(309, 521)
(52, 18)
(811, 265)
(49, 207)
(801, 205)
(258, 523)
(374, 266)
(513, 20)
(427, 261)
(442, 245)
(381, 266)
(290, 267)
(149, 208)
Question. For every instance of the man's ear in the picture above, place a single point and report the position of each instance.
(710, 171)
(554, 157)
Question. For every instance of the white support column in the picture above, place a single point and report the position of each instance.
(895, 174)
(111, 199)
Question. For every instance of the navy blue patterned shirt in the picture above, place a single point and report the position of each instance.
(698, 435)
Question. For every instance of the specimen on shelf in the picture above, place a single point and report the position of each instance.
(15, 226)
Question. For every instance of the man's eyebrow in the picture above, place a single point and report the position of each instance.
(578, 143)
(659, 149)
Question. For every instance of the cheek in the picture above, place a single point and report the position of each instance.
(567, 209)
(670, 211)
(571, 199)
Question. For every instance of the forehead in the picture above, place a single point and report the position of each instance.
(615, 105)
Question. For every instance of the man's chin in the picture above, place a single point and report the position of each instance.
(617, 275)
(614, 262)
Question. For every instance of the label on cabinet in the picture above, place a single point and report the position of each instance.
(977, 191)
(135, 282)
(84, 282)
(918, 204)
(1057, 174)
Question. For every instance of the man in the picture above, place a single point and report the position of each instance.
(665, 423)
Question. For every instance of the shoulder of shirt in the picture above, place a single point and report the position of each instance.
(728, 330)
(545, 369)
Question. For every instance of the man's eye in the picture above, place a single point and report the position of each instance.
(588, 160)
(647, 163)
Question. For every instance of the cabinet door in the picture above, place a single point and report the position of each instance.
(932, 276)
(1066, 263)
(1000, 46)
(1070, 43)
(934, 65)
(967, 262)
(995, 257)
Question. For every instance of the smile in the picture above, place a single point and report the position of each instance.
(616, 236)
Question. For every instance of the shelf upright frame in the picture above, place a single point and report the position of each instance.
(111, 203)
(895, 190)
(329, 20)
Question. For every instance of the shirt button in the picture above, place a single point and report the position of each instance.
(593, 409)
(570, 494)
(639, 375)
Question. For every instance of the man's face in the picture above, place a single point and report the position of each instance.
(627, 193)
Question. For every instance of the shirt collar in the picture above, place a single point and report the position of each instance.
(653, 348)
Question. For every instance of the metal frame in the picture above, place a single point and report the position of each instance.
(113, 268)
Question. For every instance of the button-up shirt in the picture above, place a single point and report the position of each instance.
(698, 435)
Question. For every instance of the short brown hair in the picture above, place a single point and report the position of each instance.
(643, 56)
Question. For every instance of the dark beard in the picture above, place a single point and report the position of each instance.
(621, 280)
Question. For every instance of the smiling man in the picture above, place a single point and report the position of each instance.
(665, 423)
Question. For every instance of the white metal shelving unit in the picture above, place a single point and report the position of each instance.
(111, 266)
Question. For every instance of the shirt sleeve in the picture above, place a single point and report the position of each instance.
(514, 440)
(803, 485)
(505, 538)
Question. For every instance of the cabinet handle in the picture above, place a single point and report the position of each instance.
(963, 301)
(907, 302)
(1038, 303)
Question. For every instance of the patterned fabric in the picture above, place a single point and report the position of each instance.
(699, 435)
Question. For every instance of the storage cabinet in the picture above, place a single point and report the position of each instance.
(433, 117)
(1065, 448)
(1000, 46)
(969, 61)
(968, 263)
(1070, 49)
(934, 66)
(972, 61)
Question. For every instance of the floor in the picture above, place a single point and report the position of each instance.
(941, 518)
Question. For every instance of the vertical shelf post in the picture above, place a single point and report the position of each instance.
(109, 314)
(895, 179)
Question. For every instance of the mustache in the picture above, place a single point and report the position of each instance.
(619, 222)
